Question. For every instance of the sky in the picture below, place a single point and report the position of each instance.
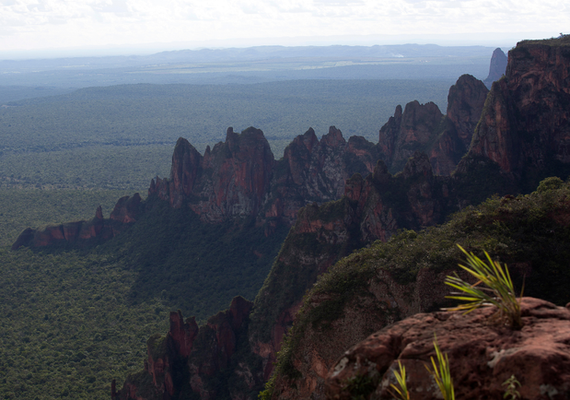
(53, 26)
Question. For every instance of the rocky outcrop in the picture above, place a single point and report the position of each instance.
(230, 180)
(482, 356)
(422, 127)
(386, 282)
(190, 358)
(525, 126)
(408, 131)
(83, 233)
(373, 208)
(497, 67)
(464, 106)
(240, 177)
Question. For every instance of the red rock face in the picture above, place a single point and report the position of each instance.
(206, 351)
(422, 127)
(482, 355)
(525, 124)
(241, 178)
(79, 233)
(408, 132)
(465, 103)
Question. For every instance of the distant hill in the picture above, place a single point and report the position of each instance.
(251, 65)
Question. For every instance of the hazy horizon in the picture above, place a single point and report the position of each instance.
(56, 28)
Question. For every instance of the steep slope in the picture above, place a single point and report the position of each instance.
(422, 127)
(389, 281)
(497, 68)
(374, 208)
(525, 126)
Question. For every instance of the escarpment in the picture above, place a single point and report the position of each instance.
(338, 196)
(85, 233)
(525, 126)
(386, 282)
(383, 283)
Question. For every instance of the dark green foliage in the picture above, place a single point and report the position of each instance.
(67, 327)
(480, 178)
(194, 266)
(360, 387)
(563, 40)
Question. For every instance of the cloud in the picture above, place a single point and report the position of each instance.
(55, 23)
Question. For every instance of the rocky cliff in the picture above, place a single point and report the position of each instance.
(497, 67)
(84, 233)
(380, 285)
(482, 356)
(240, 177)
(525, 126)
(373, 208)
(386, 282)
(422, 127)
(189, 358)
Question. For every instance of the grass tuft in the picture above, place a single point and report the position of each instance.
(499, 290)
(402, 388)
(441, 373)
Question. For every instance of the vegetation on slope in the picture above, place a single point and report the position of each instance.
(530, 231)
(194, 266)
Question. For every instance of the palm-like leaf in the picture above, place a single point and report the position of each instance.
(499, 290)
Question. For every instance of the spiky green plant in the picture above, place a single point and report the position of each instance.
(499, 290)
(511, 388)
(402, 388)
(441, 373)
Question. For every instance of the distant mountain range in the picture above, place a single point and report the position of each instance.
(253, 64)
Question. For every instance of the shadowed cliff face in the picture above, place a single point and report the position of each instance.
(464, 106)
(525, 127)
(422, 127)
(189, 358)
(497, 68)
(407, 132)
(372, 209)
